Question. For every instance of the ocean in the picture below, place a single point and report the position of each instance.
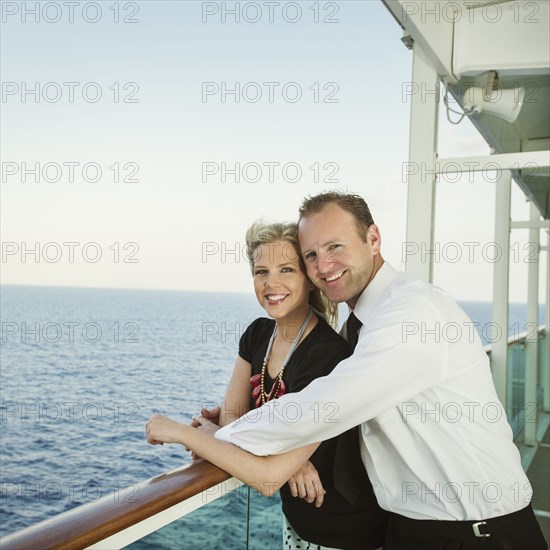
(82, 370)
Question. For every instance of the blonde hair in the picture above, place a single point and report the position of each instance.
(260, 233)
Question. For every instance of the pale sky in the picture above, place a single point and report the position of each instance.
(320, 107)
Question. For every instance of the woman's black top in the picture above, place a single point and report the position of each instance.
(337, 523)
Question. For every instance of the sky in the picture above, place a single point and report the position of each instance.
(159, 131)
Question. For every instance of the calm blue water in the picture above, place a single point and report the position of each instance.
(83, 369)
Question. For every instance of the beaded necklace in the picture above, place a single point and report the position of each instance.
(279, 386)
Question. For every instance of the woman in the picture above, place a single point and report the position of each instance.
(279, 355)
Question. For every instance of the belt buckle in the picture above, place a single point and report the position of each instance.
(477, 533)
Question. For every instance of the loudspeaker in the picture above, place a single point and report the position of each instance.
(505, 104)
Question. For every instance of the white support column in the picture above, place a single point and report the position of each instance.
(501, 277)
(532, 345)
(420, 170)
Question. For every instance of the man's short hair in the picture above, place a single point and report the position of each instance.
(354, 204)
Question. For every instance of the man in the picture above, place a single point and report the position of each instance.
(434, 438)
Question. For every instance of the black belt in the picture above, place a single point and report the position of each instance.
(467, 529)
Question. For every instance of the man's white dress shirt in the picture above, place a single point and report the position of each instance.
(435, 439)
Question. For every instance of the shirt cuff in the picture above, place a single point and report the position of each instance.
(224, 434)
(252, 442)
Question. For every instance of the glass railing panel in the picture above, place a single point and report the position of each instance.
(515, 398)
(240, 519)
(266, 521)
(543, 364)
(220, 523)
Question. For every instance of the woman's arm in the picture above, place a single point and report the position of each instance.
(237, 395)
(266, 474)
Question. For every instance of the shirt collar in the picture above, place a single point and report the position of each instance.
(370, 297)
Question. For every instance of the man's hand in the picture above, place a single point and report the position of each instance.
(306, 484)
(161, 429)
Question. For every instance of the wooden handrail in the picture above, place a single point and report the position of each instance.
(90, 523)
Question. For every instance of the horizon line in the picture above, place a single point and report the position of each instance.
(192, 290)
(121, 288)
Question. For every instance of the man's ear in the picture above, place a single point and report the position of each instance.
(374, 239)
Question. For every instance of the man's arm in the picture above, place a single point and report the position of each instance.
(388, 367)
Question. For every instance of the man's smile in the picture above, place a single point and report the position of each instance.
(334, 277)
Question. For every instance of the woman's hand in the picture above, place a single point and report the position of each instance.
(306, 484)
(206, 422)
(212, 415)
(161, 429)
(205, 425)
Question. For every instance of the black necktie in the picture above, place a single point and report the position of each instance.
(349, 471)
(352, 327)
